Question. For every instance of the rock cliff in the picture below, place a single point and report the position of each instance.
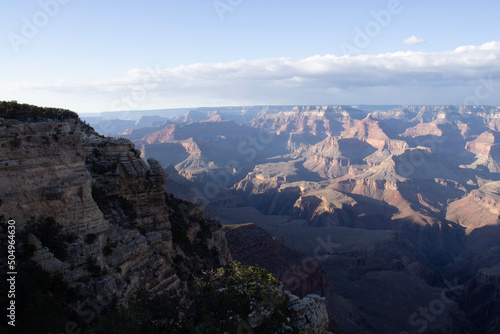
(107, 197)
(120, 233)
(43, 171)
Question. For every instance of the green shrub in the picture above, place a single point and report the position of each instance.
(227, 298)
(217, 302)
(28, 112)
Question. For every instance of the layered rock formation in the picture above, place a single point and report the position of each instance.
(486, 147)
(43, 171)
(122, 234)
(103, 194)
(332, 158)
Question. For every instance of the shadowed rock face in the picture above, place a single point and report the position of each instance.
(252, 245)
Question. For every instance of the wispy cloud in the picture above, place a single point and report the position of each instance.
(413, 40)
(317, 79)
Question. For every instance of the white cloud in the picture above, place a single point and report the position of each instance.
(436, 77)
(413, 40)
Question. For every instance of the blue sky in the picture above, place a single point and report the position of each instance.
(92, 56)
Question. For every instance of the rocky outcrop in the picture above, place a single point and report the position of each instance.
(334, 157)
(479, 208)
(307, 125)
(377, 135)
(311, 312)
(487, 143)
(267, 177)
(108, 199)
(415, 189)
(324, 207)
(118, 171)
(423, 129)
(486, 147)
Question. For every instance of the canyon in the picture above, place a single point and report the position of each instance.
(392, 207)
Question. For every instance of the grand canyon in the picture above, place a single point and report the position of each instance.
(390, 212)
(375, 219)
(250, 167)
